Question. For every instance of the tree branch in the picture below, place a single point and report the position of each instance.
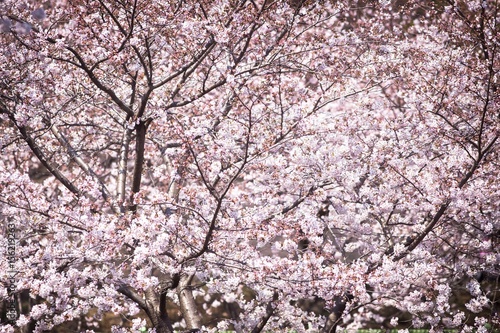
(75, 156)
(126, 291)
(333, 319)
(39, 153)
(99, 84)
(269, 313)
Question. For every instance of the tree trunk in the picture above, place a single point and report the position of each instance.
(157, 312)
(188, 305)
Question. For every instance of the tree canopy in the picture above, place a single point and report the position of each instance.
(162, 159)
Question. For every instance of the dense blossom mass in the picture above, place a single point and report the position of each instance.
(252, 165)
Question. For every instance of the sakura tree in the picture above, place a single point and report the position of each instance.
(161, 159)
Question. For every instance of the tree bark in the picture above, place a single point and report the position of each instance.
(122, 168)
(188, 305)
(151, 304)
(160, 320)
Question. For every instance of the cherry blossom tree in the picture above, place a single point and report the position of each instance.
(161, 159)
